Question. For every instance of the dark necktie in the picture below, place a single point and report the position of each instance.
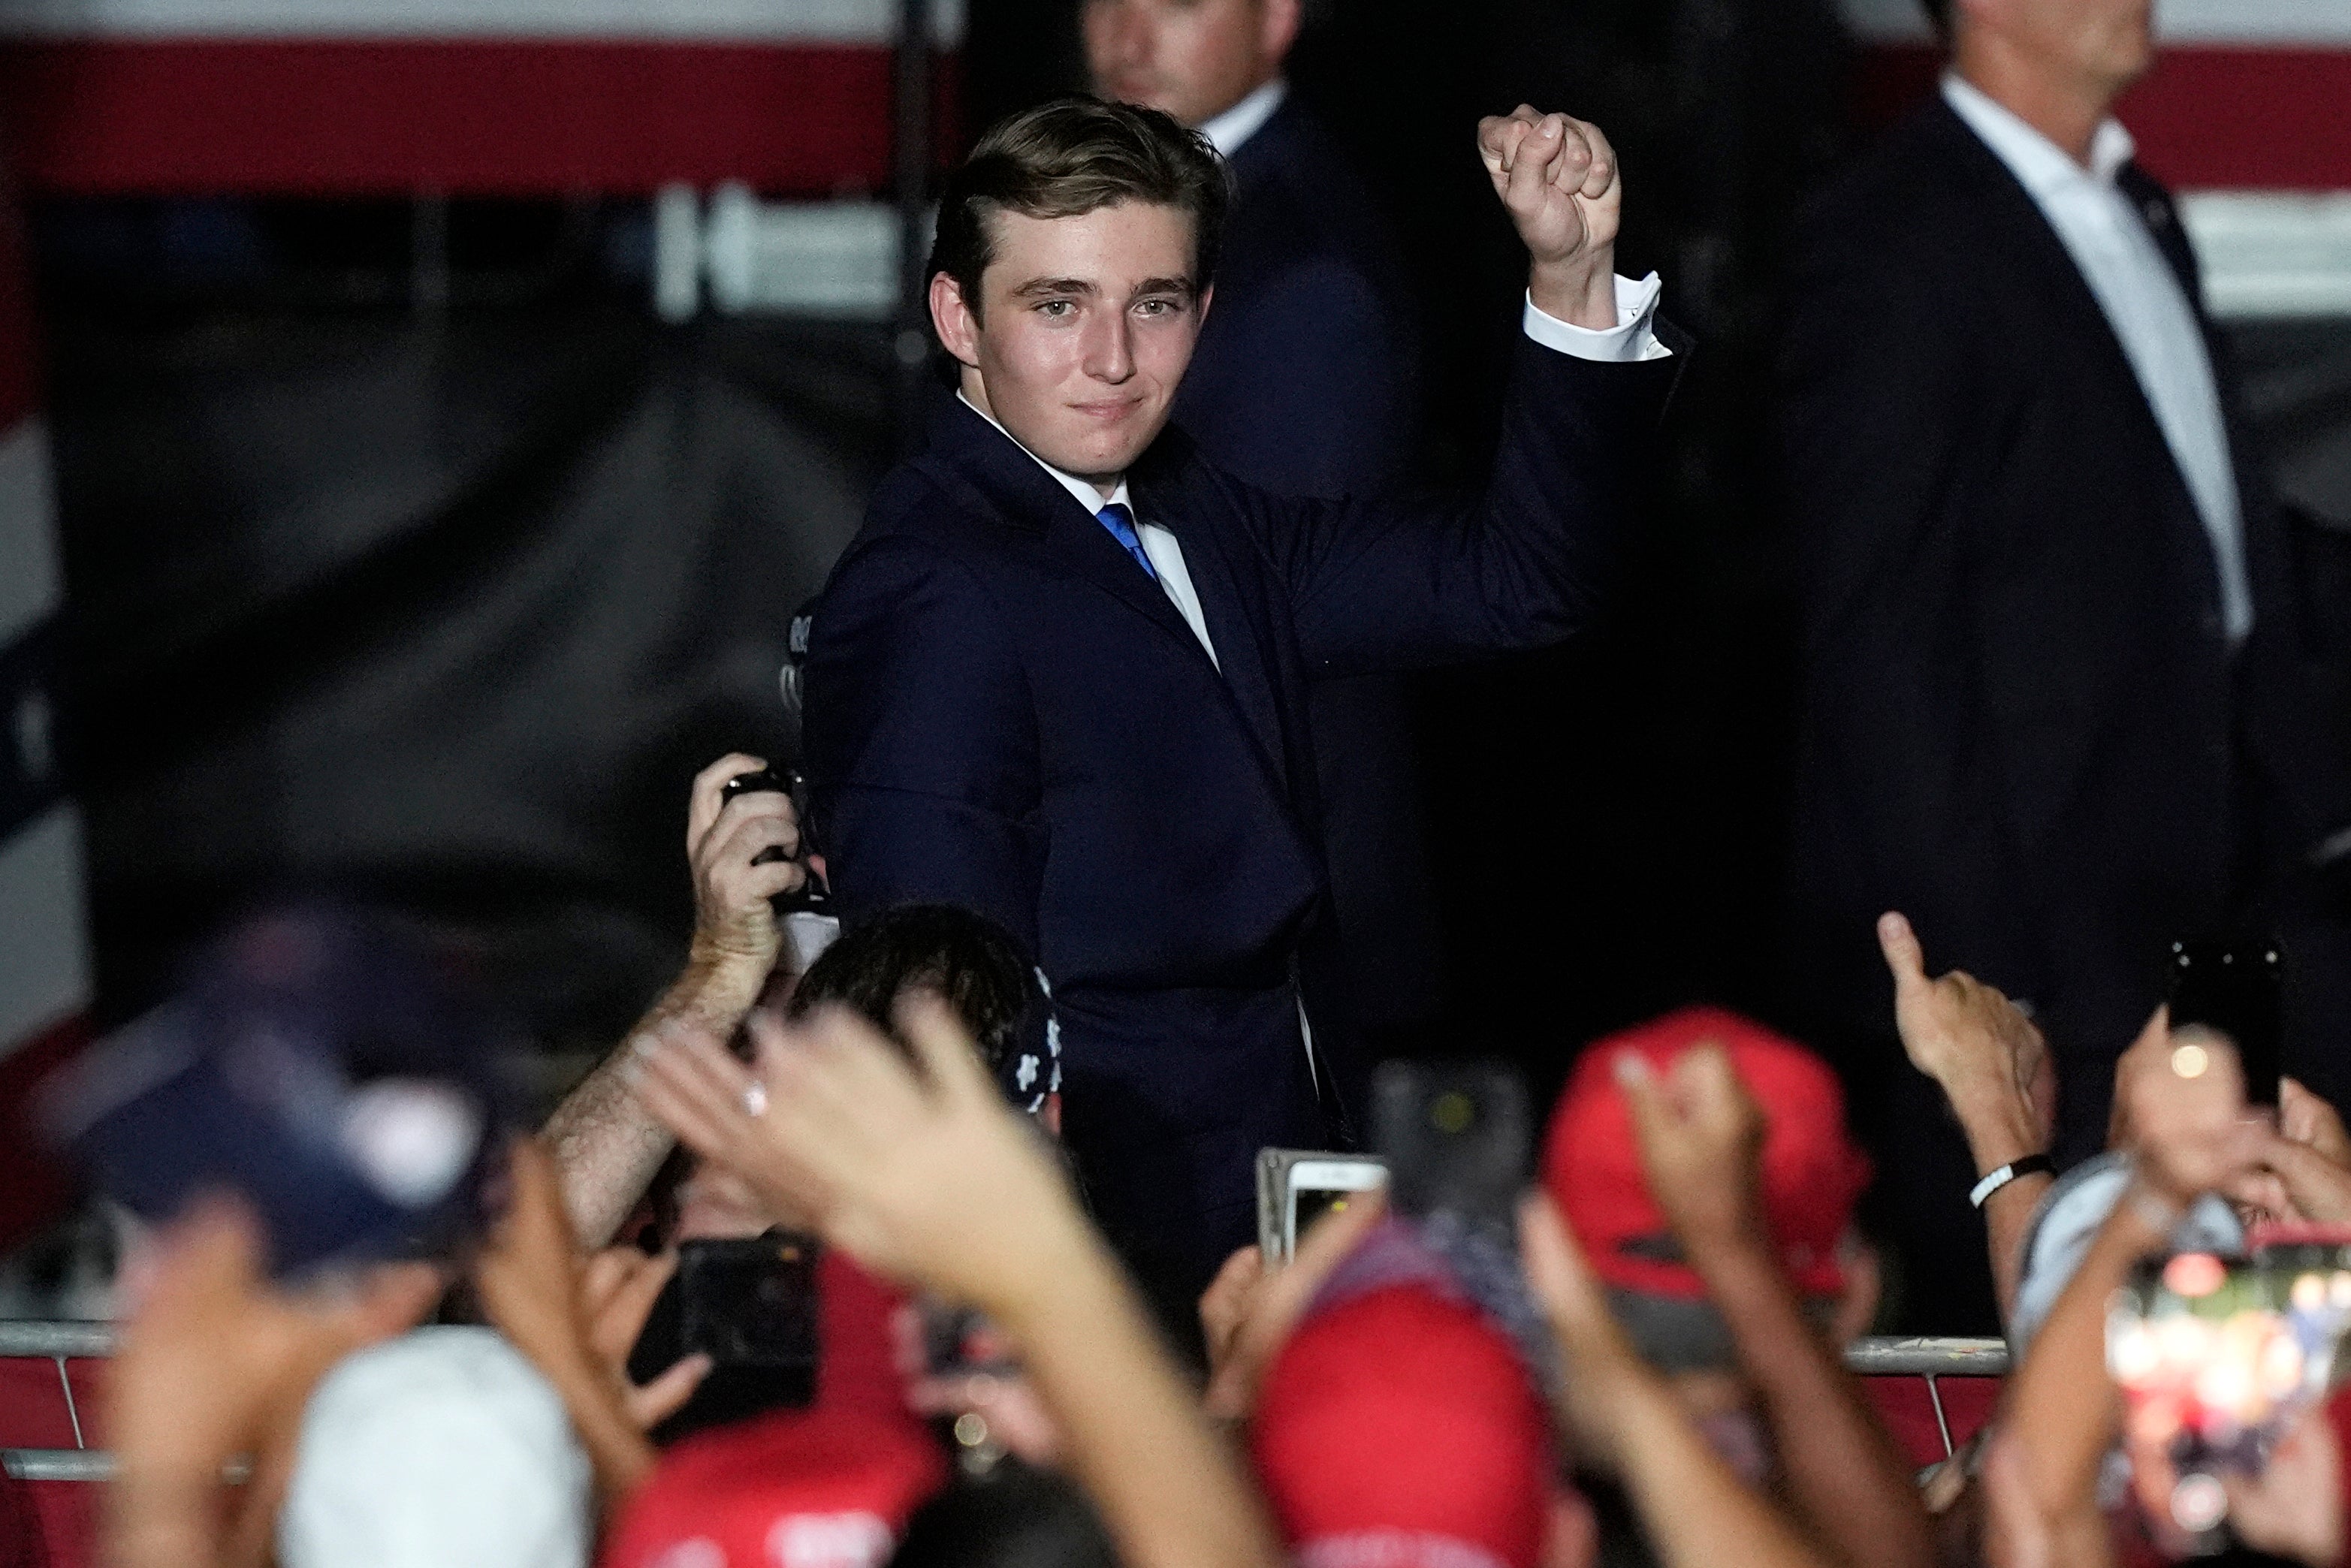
(1121, 524)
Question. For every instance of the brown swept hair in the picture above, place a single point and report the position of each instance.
(1071, 156)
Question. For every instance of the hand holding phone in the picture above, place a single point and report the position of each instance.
(1295, 1188)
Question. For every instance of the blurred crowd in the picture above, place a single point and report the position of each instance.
(797, 1276)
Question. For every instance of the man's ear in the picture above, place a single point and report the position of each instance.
(957, 321)
(1207, 297)
(1278, 28)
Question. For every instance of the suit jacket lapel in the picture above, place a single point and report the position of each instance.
(967, 448)
(1158, 485)
(2070, 292)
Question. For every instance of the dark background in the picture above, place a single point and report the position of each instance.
(440, 591)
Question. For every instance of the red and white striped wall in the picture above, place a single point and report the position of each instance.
(2247, 113)
(2248, 94)
(457, 96)
(45, 979)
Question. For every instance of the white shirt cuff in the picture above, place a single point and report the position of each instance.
(1632, 338)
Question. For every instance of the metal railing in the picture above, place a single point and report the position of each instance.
(57, 1343)
(1930, 1359)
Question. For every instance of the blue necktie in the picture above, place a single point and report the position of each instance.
(1121, 524)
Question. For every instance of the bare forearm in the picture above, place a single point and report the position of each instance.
(1843, 1472)
(606, 1146)
(1696, 1514)
(2060, 1402)
(2000, 1129)
(2008, 1216)
(1168, 1488)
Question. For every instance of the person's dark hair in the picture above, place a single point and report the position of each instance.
(1071, 156)
(1938, 12)
(1013, 1517)
(968, 959)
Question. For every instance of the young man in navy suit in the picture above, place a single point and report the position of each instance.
(1059, 674)
(1311, 295)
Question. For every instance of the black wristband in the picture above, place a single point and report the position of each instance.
(2031, 1165)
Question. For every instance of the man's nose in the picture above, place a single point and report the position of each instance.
(1127, 27)
(1109, 356)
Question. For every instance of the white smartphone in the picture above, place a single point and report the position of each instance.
(1297, 1187)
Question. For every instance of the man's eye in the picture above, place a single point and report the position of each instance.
(1056, 310)
(1157, 307)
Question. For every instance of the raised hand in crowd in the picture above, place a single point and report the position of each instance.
(1248, 1310)
(928, 1176)
(2179, 1106)
(606, 1145)
(1995, 1072)
(2292, 1506)
(2304, 1170)
(216, 1364)
(1620, 1415)
(575, 1319)
(1701, 1138)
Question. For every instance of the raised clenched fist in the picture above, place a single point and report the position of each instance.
(1557, 177)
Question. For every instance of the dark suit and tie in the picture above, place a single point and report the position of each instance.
(2054, 706)
(1008, 708)
(1305, 384)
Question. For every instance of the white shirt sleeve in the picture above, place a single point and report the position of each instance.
(1633, 337)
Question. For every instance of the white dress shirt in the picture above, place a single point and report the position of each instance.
(1226, 132)
(2108, 239)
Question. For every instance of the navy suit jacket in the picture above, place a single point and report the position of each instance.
(1003, 711)
(1305, 378)
(1305, 383)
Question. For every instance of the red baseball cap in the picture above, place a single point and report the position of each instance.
(1400, 1429)
(796, 1488)
(1811, 1173)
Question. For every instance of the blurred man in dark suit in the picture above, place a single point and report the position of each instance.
(2054, 708)
(1305, 382)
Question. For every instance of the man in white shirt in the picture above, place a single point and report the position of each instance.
(1060, 675)
(2053, 702)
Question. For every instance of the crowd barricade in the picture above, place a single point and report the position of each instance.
(1934, 1395)
(51, 1377)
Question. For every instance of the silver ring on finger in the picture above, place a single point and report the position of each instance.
(754, 1098)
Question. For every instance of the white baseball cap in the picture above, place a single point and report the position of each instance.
(442, 1448)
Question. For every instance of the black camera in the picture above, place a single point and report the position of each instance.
(811, 895)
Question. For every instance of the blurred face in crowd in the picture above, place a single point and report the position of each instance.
(1194, 58)
(2105, 44)
(1081, 332)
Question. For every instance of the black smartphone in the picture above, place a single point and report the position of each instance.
(2236, 989)
(1457, 1138)
(750, 1303)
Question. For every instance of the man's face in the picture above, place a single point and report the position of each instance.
(1194, 58)
(2108, 44)
(1086, 324)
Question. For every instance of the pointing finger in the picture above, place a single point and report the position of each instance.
(1903, 956)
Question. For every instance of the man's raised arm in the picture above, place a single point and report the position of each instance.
(1390, 584)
